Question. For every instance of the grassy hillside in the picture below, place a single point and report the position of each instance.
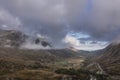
(110, 59)
(22, 64)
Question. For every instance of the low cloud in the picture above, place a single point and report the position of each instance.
(29, 45)
(8, 21)
(71, 41)
(56, 18)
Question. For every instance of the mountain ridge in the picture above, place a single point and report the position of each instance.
(110, 59)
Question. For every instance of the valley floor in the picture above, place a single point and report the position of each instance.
(17, 64)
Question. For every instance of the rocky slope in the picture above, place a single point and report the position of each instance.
(12, 38)
(16, 39)
(22, 64)
(16, 57)
(110, 59)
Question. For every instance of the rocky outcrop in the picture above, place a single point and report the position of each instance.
(16, 39)
(12, 38)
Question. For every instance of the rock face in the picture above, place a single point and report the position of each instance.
(110, 59)
(43, 42)
(11, 38)
(15, 39)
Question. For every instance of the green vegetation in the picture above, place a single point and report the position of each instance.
(81, 73)
(3, 72)
(73, 71)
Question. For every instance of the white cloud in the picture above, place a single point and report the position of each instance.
(71, 41)
(60, 9)
(100, 19)
(30, 45)
(91, 47)
(8, 21)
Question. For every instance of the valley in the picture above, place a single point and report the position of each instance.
(59, 39)
(20, 63)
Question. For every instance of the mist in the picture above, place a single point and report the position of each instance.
(57, 18)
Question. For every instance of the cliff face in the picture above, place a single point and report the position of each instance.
(110, 59)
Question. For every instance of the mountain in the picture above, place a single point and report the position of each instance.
(110, 59)
(23, 63)
(14, 38)
(24, 57)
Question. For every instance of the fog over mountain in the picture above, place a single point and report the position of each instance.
(94, 23)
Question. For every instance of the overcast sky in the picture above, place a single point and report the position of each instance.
(83, 24)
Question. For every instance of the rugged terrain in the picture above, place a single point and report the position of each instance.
(17, 39)
(110, 60)
(22, 64)
(17, 63)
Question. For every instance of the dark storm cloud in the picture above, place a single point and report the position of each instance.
(55, 18)
(100, 20)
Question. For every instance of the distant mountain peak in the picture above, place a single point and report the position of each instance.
(17, 39)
